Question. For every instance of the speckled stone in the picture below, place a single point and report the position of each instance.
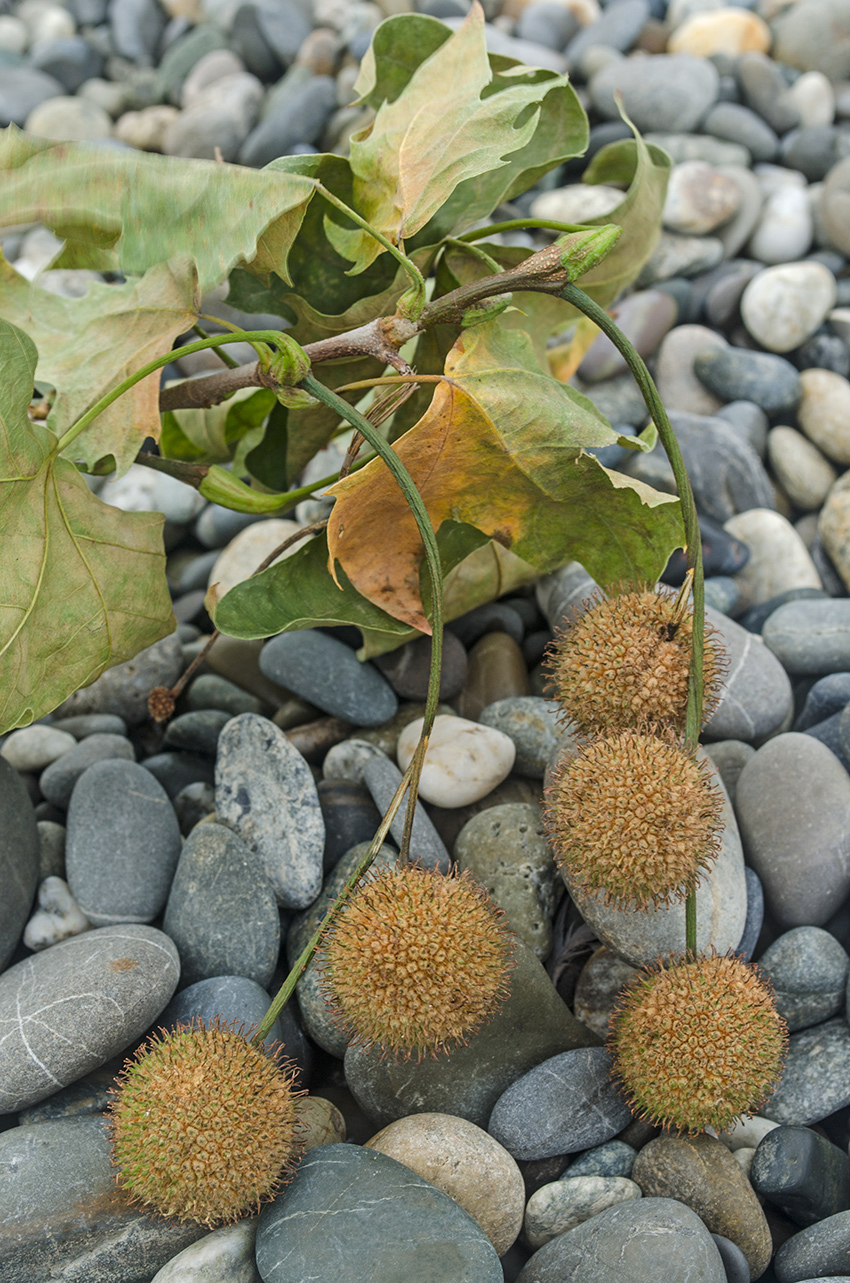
(614, 1158)
(382, 777)
(808, 969)
(506, 850)
(562, 1205)
(321, 1122)
(738, 374)
(464, 1162)
(266, 793)
(816, 1079)
(702, 1174)
(345, 761)
(111, 983)
(236, 1000)
(833, 532)
(534, 726)
(391, 1221)
(801, 1173)
(602, 977)
(819, 1252)
(19, 859)
(326, 672)
(124, 690)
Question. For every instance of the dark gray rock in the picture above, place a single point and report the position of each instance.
(71, 61)
(326, 672)
(407, 669)
(176, 771)
(816, 1079)
(737, 374)
(392, 1222)
(63, 1216)
(196, 732)
(808, 969)
(221, 911)
(535, 727)
(736, 124)
(756, 697)
(382, 778)
(19, 859)
(547, 23)
(91, 724)
(22, 89)
(350, 817)
(58, 779)
(613, 1158)
(192, 804)
(643, 1241)
(51, 850)
(816, 1253)
(750, 420)
(124, 690)
(123, 843)
(734, 1262)
(810, 637)
(814, 149)
(765, 89)
(757, 616)
(266, 793)
(755, 915)
(301, 118)
(828, 696)
(801, 1173)
(669, 93)
(137, 27)
(69, 1009)
(209, 691)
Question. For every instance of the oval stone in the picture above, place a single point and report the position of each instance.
(553, 1209)
(265, 791)
(756, 698)
(810, 637)
(464, 760)
(783, 306)
(326, 672)
(412, 1231)
(69, 1009)
(816, 1079)
(19, 859)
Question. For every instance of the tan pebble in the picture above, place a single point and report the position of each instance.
(145, 129)
(834, 527)
(799, 467)
(779, 560)
(824, 412)
(321, 1122)
(729, 31)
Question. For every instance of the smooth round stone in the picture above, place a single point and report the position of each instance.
(734, 1262)
(579, 202)
(69, 119)
(813, 96)
(350, 817)
(506, 850)
(779, 560)
(492, 617)
(69, 1009)
(736, 124)
(827, 348)
(91, 724)
(214, 66)
(176, 771)
(235, 1000)
(639, 938)
(815, 35)
(326, 672)
(614, 1158)
(192, 804)
(346, 761)
(751, 422)
(413, 1230)
(698, 199)
(729, 758)
(35, 747)
(464, 760)
(265, 792)
(225, 1256)
(701, 1173)
(765, 89)
(227, 111)
(23, 89)
(63, 1217)
(677, 255)
(566, 1203)
(755, 916)
(829, 695)
(546, 24)
(642, 1240)
(800, 468)
(808, 969)
(51, 850)
(533, 1025)
(783, 306)
(534, 726)
(218, 887)
(810, 636)
(737, 231)
(792, 801)
(755, 619)
(196, 732)
(497, 670)
(668, 93)
(209, 691)
(71, 59)
(602, 978)
(464, 1162)
(833, 532)
(137, 27)
(57, 781)
(756, 698)
(730, 31)
(816, 1079)
(785, 228)
(737, 374)
(321, 1122)
(746, 1132)
(58, 916)
(712, 151)
(618, 27)
(19, 858)
(678, 385)
(240, 559)
(123, 690)
(382, 777)
(146, 129)
(644, 318)
(122, 845)
(824, 412)
(300, 117)
(563, 1105)
(408, 669)
(802, 1174)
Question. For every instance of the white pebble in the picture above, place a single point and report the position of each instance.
(785, 228)
(554, 1209)
(34, 747)
(779, 560)
(57, 917)
(464, 761)
(813, 96)
(783, 306)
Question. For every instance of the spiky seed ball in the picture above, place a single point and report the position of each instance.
(697, 1042)
(203, 1124)
(417, 960)
(636, 816)
(625, 660)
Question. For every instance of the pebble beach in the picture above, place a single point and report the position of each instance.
(204, 852)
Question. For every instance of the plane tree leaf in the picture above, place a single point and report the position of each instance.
(83, 584)
(501, 448)
(211, 435)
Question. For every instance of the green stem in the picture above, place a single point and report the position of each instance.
(520, 225)
(693, 719)
(217, 340)
(432, 561)
(225, 356)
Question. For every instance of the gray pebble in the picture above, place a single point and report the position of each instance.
(729, 758)
(751, 420)
(816, 1079)
(51, 850)
(91, 724)
(192, 804)
(32, 748)
(534, 726)
(614, 1158)
(124, 690)
(618, 27)
(808, 968)
(666, 93)
(810, 636)
(817, 1254)
(300, 118)
(756, 698)
(19, 859)
(209, 691)
(346, 761)
(326, 672)
(71, 60)
(382, 777)
(196, 732)
(236, 1001)
(736, 124)
(58, 780)
(828, 696)
(737, 374)
(176, 771)
(22, 90)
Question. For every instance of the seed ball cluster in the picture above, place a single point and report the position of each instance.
(635, 816)
(697, 1042)
(417, 961)
(203, 1125)
(625, 660)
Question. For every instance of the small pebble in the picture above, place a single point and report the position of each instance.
(58, 916)
(35, 747)
(554, 1209)
(464, 760)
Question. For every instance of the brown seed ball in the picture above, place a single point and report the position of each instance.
(203, 1125)
(417, 960)
(697, 1042)
(625, 660)
(636, 816)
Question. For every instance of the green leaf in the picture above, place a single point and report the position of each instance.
(267, 461)
(212, 434)
(89, 345)
(399, 47)
(297, 593)
(128, 210)
(83, 584)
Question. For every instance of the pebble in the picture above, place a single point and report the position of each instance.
(699, 199)
(112, 983)
(225, 1256)
(494, 617)
(678, 385)
(676, 256)
(58, 916)
(614, 1158)
(321, 1121)
(35, 747)
(413, 1229)
(464, 760)
(122, 846)
(350, 817)
(786, 226)
(23, 89)
(533, 724)
(299, 118)
(68, 119)
(196, 732)
(672, 92)
(736, 124)
(779, 560)
(123, 690)
(808, 969)
(644, 317)
(326, 672)
(816, 1079)
(810, 637)
(346, 761)
(497, 670)
(729, 31)
(783, 306)
(824, 412)
(801, 1173)
(51, 850)
(729, 758)
(647, 1239)
(702, 1174)
(800, 468)
(506, 850)
(246, 550)
(209, 691)
(218, 888)
(464, 1162)
(266, 794)
(176, 771)
(57, 781)
(91, 724)
(565, 1104)
(832, 533)
(602, 978)
(818, 1250)
(738, 374)
(235, 1000)
(408, 668)
(382, 777)
(755, 916)
(829, 695)
(568, 1202)
(756, 699)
